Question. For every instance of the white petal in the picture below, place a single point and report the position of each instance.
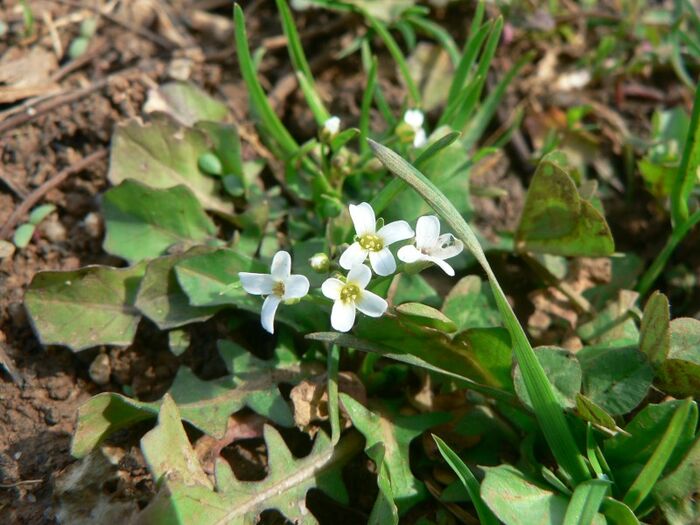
(371, 304)
(410, 254)
(332, 125)
(383, 262)
(355, 254)
(420, 139)
(331, 288)
(442, 264)
(363, 218)
(427, 231)
(394, 232)
(267, 316)
(256, 283)
(447, 246)
(296, 287)
(281, 265)
(342, 316)
(414, 118)
(360, 275)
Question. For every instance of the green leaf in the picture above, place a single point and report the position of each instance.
(557, 220)
(613, 325)
(23, 235)
(207, 405)
(142, 222)
(239, 502)
(676, 494)
(161, 299)
(84, 308)
(39, 213)
(616, 379)
(517, 500)
(562, 369)
(178, 341)
(162, 154)
(589, 411)
(227, 148)
(471, 304)
(549, 413)
(655, 332)
(395, 433)
(644, 432)
(658, 461)
(186, 103)
(426, 316)
(585, 502)
(687, 176)
(465, 475)
(679, 374)
(384, 510)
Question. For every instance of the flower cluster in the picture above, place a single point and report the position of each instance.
(350, 293)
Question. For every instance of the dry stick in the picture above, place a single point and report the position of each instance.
(30, 113)
(50, 184)
(21, 482)
(145, 33)
(79, 62)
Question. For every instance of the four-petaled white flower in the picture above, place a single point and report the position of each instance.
(430, 245)
(350, 295)
(332, 126)
(373, 242)
(279, 285)
(415, 118)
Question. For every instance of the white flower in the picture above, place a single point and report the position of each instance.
(431, 246)
(415, 118)
(372, 242)
(351, 295)
(279, 285)
(332, 126)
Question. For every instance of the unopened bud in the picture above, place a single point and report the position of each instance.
(330, 129)
(320, 262)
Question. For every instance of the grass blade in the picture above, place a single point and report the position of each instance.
(438, 33)
(548, 411)
(397, 55)
(396, 186)
(367, 97)
(486, 517)
(687, 171)
(258, 100)
(585, 502)
(333, 410)
(654, 467)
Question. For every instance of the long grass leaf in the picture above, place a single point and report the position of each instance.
(654, 467)
(548, 411)
(366, 107)
(269, 120)
(486, 517)
(585, 502)
(438, 33)
(687, 176)
(397, 55)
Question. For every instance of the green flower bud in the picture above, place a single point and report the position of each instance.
(210, 164)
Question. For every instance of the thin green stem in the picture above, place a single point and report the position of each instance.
(672, 243)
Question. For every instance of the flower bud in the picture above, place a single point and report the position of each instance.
(320, 262)
(330, 129)
(210, 164)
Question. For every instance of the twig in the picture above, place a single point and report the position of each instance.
(21, 482)
(79, 62)
(145, 33)
(31, 112)
(50, 184)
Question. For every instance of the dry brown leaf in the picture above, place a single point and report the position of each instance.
(25, 75)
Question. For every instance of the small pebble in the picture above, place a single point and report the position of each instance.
(100, 370)
(7, 249)
(93, 224)
(54, 231)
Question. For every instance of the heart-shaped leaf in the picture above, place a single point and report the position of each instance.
(679, 374)
(85, 308)
(185, 102)
(142, 222)
(562, 369)
(556, 219)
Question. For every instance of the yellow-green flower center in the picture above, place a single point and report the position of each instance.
(371, 242)
(350, 293)
(278, 288)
